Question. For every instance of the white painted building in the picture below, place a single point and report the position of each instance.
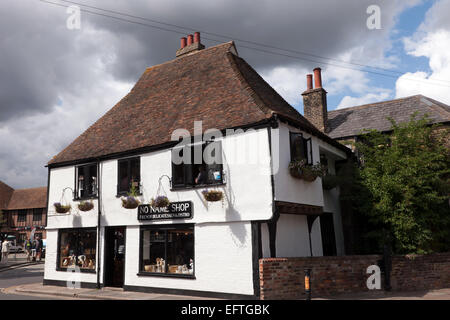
(210, 248)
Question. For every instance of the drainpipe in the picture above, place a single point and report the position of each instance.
(99, 213)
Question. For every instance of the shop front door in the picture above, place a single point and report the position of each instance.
(114, 264)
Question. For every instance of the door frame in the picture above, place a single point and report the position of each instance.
(106, 228)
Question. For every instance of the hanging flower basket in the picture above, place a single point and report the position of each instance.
(61, 208)
(160, 202)
(212, 195)
(130, 202)
(86, 205)
(299, 169)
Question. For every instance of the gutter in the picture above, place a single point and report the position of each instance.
(99, 213)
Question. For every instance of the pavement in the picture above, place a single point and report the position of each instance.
(118, 294)
(16, 260)
(441, 294)
(92, 294)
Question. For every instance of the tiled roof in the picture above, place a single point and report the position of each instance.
(28, 198)
(5, 194)
(351, 121)
(212, 85)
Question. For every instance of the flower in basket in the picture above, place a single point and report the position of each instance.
(61, 208)
(300, 169)
(131, 201)
(85, 205)
(160, 202)
(212, 195)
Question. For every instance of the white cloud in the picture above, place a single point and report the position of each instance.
(348, 101)
(432, 41)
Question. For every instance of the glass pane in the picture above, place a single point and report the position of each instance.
(180, 251)
(78, 248)
(135, 172)
(153, 251)
(297, 147)
(123, 176)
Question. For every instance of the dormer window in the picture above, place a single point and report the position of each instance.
(197, 172)
(301, 148)
(86, 181)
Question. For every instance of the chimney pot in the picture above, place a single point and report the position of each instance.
(318, 77)
(183, 42)
(196, 37)
(190, 39)
(309, 82)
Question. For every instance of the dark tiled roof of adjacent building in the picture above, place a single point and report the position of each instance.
(5, 194)
(350, 122)
(213, 85)
(28, 198)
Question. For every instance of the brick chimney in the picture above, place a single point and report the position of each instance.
(190, 45)
(315, 101)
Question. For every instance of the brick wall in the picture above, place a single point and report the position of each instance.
(283, 278)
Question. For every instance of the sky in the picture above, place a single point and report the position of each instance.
(57, 79)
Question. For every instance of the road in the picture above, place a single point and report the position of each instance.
(18, 276)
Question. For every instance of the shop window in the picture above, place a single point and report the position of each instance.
(197, 172)
(167, 250)
(301, 148)
(86, 181)
(37, 214)
(22, 216)
(129, 175)
(77, 247)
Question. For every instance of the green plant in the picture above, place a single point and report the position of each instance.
(300, 169)
(86, 205)
(212, 195)
(62, 208)
(407, 175)
(160, 202)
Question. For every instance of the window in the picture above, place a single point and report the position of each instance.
(37, 214)
(77, 247)
(301, 148)
(168, 250)
(22, 216)
(129, 174)
(86, 181)
(194, 171)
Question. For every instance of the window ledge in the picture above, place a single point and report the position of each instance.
(167, 275)
(198, 186)
(86, 198)
(125, 194)
(81, 270)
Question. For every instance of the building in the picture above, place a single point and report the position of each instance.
(23, 210)
(345, 125)
(193, 246)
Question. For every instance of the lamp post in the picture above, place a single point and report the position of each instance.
(308, 284)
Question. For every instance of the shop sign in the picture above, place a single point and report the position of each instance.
(175, 210)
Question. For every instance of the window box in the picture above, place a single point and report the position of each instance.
(299, 169)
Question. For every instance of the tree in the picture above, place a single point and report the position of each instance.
(407, 175)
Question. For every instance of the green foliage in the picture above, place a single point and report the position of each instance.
(407, 175)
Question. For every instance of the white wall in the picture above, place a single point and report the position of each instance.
(288, 188)
(223, 260)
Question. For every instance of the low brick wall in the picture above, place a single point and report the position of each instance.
(283, 278)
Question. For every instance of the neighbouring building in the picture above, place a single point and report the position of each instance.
(192, 246)
(347, 124)
(23, 210)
